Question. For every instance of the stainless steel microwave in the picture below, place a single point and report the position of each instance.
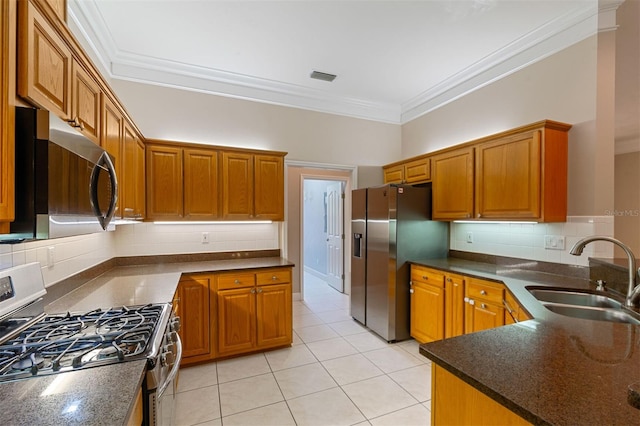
(65, 184)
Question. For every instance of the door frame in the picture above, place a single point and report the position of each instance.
(311, 170)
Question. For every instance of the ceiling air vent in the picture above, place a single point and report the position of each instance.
(323, 76)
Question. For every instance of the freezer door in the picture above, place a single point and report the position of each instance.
(381, 261)
(358, 254)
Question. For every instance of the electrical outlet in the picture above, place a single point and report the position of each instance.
(469, 237)
(205, 238)
(51, 259)
(554, 242)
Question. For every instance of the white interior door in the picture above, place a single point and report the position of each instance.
(334, 201)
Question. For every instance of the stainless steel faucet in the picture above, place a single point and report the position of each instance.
(633, 292)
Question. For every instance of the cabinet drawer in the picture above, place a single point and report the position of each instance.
(431, 276)
(485, 290)
(275, 276)
(229, 281)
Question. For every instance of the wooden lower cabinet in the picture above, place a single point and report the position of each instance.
(194, 310)
(455, 402)
(484, 305)
(427, 304)
(232, 313)
(454, 305)
(514, 312)
(444, 304)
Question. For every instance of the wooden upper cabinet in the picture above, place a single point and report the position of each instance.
(394, 174)
(59, 8)
(164, 182)
(252, 186)
(410, 172)
(44, 63)
(133, 176)
(51, 78)
(269, 187)
(453, 184)
(85, 104)
(417, 171)
(7, 114)
(111, 141)
(201, 195)
(508, 178)
(523, 176)
(237, 185)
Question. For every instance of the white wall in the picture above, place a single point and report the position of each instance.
(167, 113)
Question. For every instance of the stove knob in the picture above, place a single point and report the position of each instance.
(174, 325)
(172, 336)
(169, 358)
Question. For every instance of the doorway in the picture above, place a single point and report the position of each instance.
(296, 173)
(323, 230)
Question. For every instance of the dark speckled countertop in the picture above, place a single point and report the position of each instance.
(552, 369)
(104, 395)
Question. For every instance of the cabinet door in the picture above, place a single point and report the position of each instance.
(417, 171)
(44, 63)
(200, 184)
(7, 114)
(59, 7)
(85, 104)
(457, 403)
(130, 173)
(193, 310)
(111, 141)
(481, 315)
(237, 185)
(453, 185)
(454, 305)
(164, 182)
(394, 174)
(269, 187)
(140, 207)
(427, 312)
(274, 313)
(508, 178)
(236, 320)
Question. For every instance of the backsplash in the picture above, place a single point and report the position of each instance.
(61, 257)
(75, 254)
(147, 238)
(527, 240)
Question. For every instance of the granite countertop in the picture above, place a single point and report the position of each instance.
(552, 369)
(104, 395)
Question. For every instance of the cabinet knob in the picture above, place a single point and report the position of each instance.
(479, 215)
(411, 290)
(253, 291)
(449, 280)
(482, 292)
(424, 277)
(274, 278)
(483, 306)
(76, 123)
(236, 281)
(259, 290)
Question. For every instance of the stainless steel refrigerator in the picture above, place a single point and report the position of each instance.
(390, 225)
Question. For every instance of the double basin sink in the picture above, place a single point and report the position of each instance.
(585, 305)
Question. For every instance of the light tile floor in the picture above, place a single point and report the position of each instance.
(335, 373)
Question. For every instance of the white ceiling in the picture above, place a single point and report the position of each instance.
(395, 60)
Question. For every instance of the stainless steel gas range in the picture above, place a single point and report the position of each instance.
(34, 344)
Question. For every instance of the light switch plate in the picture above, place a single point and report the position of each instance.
(554, 242)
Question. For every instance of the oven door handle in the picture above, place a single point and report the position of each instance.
(174, 368)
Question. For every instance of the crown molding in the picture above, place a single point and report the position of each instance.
(534, 46)
(544, 41)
